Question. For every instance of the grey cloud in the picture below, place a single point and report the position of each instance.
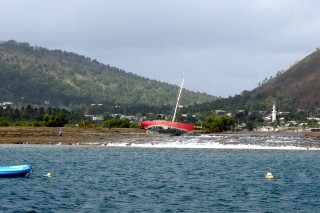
(215, 43)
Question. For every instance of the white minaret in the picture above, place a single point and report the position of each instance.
(274, 113)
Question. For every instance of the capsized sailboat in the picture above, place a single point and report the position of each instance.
(172, 127)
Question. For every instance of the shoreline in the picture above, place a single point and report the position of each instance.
(70, 135)
(80, 136)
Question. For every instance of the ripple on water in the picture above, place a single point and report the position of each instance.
(209, 176)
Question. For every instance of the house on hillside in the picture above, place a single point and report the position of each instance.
(94, 117)
(5, 104)
(220, 112)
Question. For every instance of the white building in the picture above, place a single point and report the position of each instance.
(274, 113)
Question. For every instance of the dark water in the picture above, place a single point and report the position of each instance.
(135, 179)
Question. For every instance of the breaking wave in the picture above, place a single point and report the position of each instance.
(223, 141)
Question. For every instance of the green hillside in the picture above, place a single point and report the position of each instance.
(35, 75)
(296, 89)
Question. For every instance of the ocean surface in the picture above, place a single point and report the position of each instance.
(205, 173)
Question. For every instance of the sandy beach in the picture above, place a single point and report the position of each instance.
(50, 135)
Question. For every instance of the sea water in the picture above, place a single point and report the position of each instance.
(205, 173)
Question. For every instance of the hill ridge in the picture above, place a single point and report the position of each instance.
(36, 74)
(298, 86)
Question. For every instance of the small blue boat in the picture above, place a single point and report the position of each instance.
(15, 171)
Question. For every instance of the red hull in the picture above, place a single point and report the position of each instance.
(167, 124)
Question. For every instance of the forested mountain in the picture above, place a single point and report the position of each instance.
(35, 75)
(297, 88)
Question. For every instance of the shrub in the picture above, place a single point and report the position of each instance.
(29, 123)
(4, 121)
(117, 123)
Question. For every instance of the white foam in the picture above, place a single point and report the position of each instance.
(252, 142)
(216, 146)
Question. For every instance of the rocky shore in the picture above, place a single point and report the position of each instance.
(50, 135)
(313, 135)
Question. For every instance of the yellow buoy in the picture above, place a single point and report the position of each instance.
(269, 175)
(48, 174)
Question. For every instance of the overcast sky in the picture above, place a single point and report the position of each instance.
(222, 46)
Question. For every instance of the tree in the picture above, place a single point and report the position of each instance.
(8, 112)
(250, 125)
(56, 120)
(219, 123)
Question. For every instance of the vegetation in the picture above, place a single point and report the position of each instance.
(118, 123)
(4, 121)
(57, 120)
(219, 123)
(29, 116)
(54, 88)
(37, 117)
(36, 75)
(53, 117)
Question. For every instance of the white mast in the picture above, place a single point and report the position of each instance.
(175, 110)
